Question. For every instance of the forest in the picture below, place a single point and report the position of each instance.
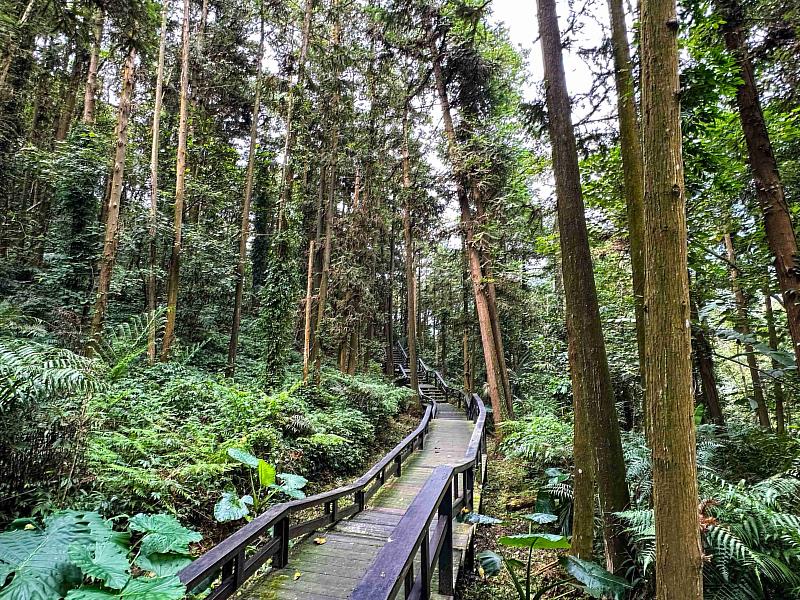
(249, 247)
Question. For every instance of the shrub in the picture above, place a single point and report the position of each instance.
(540, 440)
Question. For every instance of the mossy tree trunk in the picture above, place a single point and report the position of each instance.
(668, 370)
(591, 379)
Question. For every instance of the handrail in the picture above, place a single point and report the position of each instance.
(227, 559)
(393, 568)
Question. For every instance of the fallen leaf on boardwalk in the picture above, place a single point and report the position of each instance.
(297, 575)
(320, 540)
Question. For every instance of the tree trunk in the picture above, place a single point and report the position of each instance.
(591, 379)
(173, 281)
(389, 364)
(668, 368)
(467, 223)
(308, 304)
(154, 147)
(70, 96)
(705, 369)
(743, 327)
(583, 475)
(769, 188)
(90, 92)
(631, 150)
(244, 235)
(777, 388)
(408, 237)
(322, 293)
(112, 214)
(491, 297)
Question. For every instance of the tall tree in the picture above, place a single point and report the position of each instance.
(244, 233)
(777, 387)
(153, 214)
(115, 196)
(173, 281)
(631, 150)
(668, 369)
(769, 187)
(90, 91)
(591, 379)
(408, 237)
(493, 377)
(743, 327)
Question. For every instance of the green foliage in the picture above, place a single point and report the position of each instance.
(78, 555)
(264, 487)
(540, 440)
(585, 575)
(750, 530)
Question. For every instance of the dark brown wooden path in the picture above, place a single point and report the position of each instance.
(333, 569)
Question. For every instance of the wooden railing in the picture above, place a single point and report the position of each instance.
(447, 492)
(229, 564)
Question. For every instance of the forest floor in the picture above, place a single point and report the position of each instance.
(510, 493)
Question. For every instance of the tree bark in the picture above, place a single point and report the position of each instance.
(153, 215)
(743, 327)
(591, 379)
(583, 478)
(491, 298)
(180, 192)
(668, 370)
(117, 178)
(777, 388)
(632, 170)
(90, 92)
(244, 234)
(769, 188)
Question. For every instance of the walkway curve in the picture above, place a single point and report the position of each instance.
(355, 527)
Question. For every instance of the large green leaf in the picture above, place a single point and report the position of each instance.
(538, 541)
(266, 473)
(480, 519)
(163, 564)
(243, 457)
(597, 582)
(163, 534)
(231, 507)
(38, 558)
(292, 481)
(141, 588)
(490, 562)
(155, 588)
(541, 518)
(106, 561)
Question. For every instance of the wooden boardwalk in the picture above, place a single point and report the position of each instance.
(323, 571)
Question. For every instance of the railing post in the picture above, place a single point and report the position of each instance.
(446, 555)
(361, 500)
(239, 570)
(408, 583)
(469, 485)
(399, 462)
(425, 565)
(281, 532)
